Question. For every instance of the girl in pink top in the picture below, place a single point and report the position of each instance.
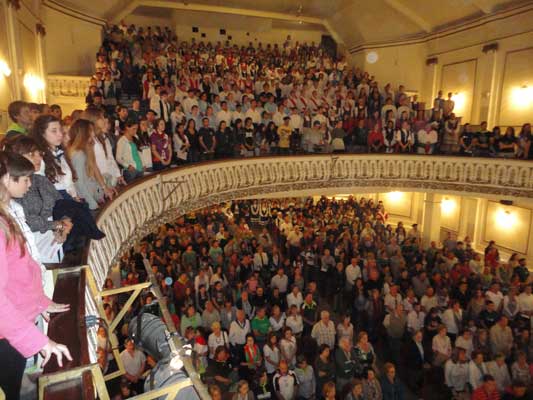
(21, 293)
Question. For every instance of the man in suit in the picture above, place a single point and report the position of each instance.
(417, 361)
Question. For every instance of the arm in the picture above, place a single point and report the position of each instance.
(16, 327)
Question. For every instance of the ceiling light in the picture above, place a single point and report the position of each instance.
(4, 68)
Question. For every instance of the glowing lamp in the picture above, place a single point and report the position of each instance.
(447, 206)
(460, 101)
(522, 97)
(506, 219)
(4, 68)
(395, 196)
(33, 83)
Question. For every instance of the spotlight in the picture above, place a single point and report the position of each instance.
(4, 68)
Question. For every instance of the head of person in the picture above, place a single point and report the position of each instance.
(17, 181)
(19, 112)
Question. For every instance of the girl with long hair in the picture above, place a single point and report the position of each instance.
(90, 183)
(161, 146)
(48, 136)
(103, 151)
(23, 299)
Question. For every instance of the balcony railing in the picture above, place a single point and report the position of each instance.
(159, 198)
(70, 86)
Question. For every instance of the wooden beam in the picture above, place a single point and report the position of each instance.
(407, 12)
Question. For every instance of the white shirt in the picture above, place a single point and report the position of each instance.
(188, 104)
(415, 321)
(214, 341)
(295, 322)
(456, 375)
(448, 319)
(525, 302)
(274, 355)
(296, 300)
(475, 374)
(105, 161)
(496, 298)
(500, 374)
(133, 363)
(353, 272)
(223, 116)
(238, 332)
(255, 115)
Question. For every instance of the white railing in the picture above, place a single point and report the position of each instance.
(160, 198)
(67, 86)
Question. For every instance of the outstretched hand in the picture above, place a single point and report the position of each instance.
(54, 348)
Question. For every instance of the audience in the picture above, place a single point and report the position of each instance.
(288, 298)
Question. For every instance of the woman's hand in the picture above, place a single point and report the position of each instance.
(109, 192)
(55, 308)
(121, 181)
(67, 225)
(54, 348)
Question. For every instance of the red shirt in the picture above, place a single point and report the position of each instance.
(481, 394)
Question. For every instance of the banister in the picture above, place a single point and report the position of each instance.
(158, 198)
(140, 207)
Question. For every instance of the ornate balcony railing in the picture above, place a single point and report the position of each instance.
(156, 199)
(70, 86)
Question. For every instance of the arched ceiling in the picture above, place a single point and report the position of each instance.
(352, 22)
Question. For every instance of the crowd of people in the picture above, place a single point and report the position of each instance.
(321, 298)
(255, 286)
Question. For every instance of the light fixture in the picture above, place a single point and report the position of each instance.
(4, 69)
(522, 97)
(395, 196)
(33, 83)
(372, 57)
(506, 219)
(460, 101)
(447, 205)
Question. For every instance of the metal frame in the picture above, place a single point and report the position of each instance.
(175, 338)
(96, 372)
(165, 393)
(97, 296)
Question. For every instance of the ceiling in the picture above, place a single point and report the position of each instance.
(353, 22)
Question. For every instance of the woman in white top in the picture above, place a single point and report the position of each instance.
(103, 151)
(181, 143)
(288, 347)
(271, 353)
(217, 338)
(441, 346)
(295, 321)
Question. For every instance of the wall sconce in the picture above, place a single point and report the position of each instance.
(34, 85)
(460, 101)
(395, 196)
(447, 206)
(522, 97)
(506, 219)
(4, 69)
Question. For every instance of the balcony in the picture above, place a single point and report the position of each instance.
(156, 199)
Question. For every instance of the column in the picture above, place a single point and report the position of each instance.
(431, 218)
(11, 20)
(39, 39)
(494, 99)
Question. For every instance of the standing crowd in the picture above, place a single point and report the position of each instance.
(323, 298)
